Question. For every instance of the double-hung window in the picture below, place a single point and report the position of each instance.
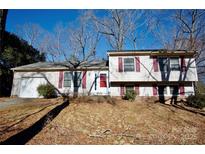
(77, 79)
(67, 79)
(129, 65)
(163, 64)
(174, 64)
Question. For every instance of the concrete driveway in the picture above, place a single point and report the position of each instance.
(7, 102)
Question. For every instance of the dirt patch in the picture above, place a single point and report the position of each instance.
(20, 116)
(103, 120)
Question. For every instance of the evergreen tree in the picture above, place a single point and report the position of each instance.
(16, 52)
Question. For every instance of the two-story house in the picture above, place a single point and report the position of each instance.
(152, 73)
(148, 72)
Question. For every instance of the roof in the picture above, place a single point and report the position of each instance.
(50, 66)
(151, 52)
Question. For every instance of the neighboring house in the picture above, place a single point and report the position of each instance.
(149, 73)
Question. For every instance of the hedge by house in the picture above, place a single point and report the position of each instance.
(130, 95)
(196, 101)
(47, 91)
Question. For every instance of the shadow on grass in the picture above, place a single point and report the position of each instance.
(182, 107)
(24, 136)
(189, 109)
(22, 119)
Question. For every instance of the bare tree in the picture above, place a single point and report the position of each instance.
(191, 33)
(186, 33)
(190, 24)
(32, 33)
(54, 44)
(174, 31)
(76, 45)
(120, 27)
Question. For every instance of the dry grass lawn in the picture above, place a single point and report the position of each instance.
(98, 121)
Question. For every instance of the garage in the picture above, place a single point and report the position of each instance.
(28, 88)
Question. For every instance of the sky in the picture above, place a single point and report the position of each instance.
(47, 19)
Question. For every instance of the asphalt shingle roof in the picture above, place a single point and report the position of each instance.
(60, 66)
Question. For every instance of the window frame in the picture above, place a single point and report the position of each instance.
(163, 63)
(125, 64)
(171, 63)
(65, 79)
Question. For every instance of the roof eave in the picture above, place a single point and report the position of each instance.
(58, 69)
(153, 53)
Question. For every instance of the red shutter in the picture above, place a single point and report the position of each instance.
(84, 80)
(154, 90)
(181, 90)
(155, 64)
(103, 82)
(122, 90)
(137, 61)
(60, 81)
(137, 89)
(120, 64)
(183, 64)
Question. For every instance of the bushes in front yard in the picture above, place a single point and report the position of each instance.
(197, 101)
(47, 91)
(130, 95)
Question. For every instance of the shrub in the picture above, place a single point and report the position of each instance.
(130, 95)
(201, 87)
(197, 101)
(47, 91)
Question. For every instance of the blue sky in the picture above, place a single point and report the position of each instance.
(47, 19)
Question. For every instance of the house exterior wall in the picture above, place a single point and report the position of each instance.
(146, 89)
(53, 78)
(147, 72)
(144, 76)
(91, 85)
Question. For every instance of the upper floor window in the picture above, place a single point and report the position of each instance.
(103, 81)
(174, 64)
(67, 79)
(163, 64)
(169, 63)
(129, 65)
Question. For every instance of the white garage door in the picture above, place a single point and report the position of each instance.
(29, 86)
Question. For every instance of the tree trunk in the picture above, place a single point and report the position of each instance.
(3, 14)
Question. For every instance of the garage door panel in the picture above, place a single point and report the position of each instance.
(29, 86)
